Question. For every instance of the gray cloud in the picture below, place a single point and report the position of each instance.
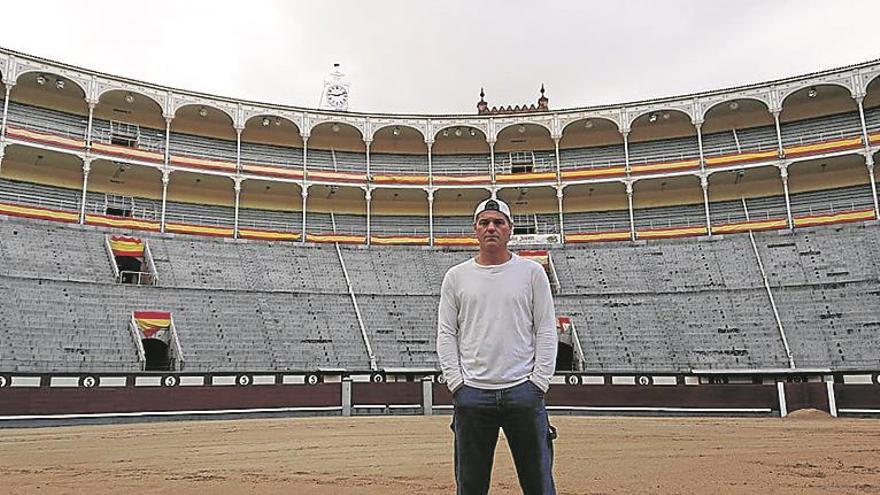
(433, 57)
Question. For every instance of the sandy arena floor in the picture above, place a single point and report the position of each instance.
(808, 454)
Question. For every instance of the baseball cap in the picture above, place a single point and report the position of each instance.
(492, 204)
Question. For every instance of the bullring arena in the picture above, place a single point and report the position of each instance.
(171, 255)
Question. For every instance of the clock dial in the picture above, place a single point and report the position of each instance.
(337, 96)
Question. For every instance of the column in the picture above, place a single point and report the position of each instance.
(559, 194)
(238, 149)
(368, 142)
(783, 173)
(2, 153)
(430, 145)
(431, 216)
(632, 219)
(237, 186)
(305, 197)
(859, 99)
(869, 162)
(9, 86)
(704, 183)
(305, 138)
(86, 168)
(625, 134)
(781, 151)
(369, 197)
(89, 126)
(166, 178)
(699, 125)
(558, 166)
(492, 161)
(168, 119)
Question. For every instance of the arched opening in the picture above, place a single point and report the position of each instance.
(524, 148)
(337, 146)
(535, 210)
(460, 150)
(126, 118)
(816, 114)
(271, 140)
(591, 143)
(662, 136)
(399, 149)
(48, 103)
(667, 202)
(737, 126)
(157, 355)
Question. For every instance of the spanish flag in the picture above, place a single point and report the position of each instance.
(126, 246)
(540, 256)
(153, 324)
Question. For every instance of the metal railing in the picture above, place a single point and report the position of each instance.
(135, 278)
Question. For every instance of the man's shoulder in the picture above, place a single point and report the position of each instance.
(460, 267)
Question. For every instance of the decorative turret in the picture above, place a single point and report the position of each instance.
(483, 107)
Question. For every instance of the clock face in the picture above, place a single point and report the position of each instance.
(337, 96)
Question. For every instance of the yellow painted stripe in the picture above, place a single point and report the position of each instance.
(337, 176)
(130, 152)
(37, 212)
(181, 228)
(106, 221)
(401, 179)
(593, 172)
(347, 239)
(530, 177)
(269, 235)
(874, 137)
(670, 232)
(202, 163)
(399, 240)
(597, 236)
(824, 146)
(465, 179)
(45, 138)
(849, 216)
(741, 157)
(730, 228)
(659, 167)
(455, 241)
(273, 171)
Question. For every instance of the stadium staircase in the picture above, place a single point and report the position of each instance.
(354, 302)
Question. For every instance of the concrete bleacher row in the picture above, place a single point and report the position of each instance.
(755, 138)
(671, 305)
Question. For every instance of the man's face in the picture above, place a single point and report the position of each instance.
(493, 230)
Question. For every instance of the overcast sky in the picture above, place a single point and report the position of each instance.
(433, 56)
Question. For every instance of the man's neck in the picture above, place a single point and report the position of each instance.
(493, 257)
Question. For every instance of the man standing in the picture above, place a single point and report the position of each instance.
(496, 340)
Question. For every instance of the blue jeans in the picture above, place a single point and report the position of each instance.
(521, 413)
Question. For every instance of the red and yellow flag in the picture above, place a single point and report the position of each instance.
(126, 246)
(539, 256)
(153, 324)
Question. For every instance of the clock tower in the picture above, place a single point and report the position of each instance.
(335, 95)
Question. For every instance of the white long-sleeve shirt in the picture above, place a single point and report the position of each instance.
(496, 325)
